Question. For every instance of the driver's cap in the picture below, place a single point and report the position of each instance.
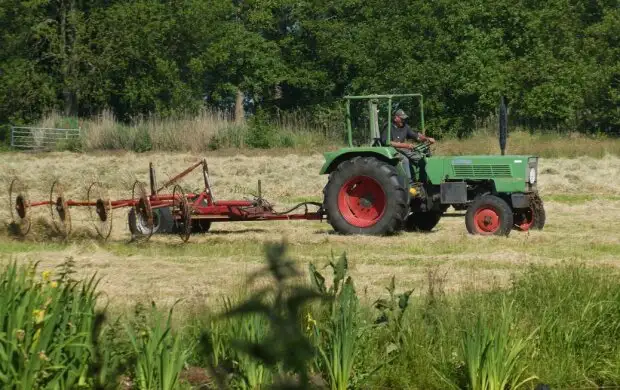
(401, 114)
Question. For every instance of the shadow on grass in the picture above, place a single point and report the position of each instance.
(230, 232)
(396, 234)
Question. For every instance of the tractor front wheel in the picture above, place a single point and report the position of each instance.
(489, 215)
(364, 196)
(531, 218)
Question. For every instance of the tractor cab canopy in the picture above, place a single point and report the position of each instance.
(364, 122)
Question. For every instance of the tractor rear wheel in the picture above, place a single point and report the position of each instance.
(532, 218)
(364, 196)
(489, 215)
(422, 222)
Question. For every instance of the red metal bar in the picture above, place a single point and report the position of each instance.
(200, 198)
(215, 210)
(160, 205)
(35, 204)
(234, 203)
(162, 198)
(72, 203)
(180, 175)
(260, 217)
(120, 204)
(159, 202)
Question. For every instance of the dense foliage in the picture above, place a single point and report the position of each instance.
(557, 61)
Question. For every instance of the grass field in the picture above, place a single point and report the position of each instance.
(582, 198)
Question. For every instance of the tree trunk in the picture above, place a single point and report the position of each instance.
(67, 43)
(239, 112)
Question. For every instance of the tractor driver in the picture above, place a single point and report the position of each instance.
(401, 132)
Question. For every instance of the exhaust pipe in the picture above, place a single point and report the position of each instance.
(503, 125)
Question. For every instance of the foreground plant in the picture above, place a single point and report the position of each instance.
(160, 356)
(247, 329)
(47, 329)
(268, 334)
(492, 355)
(392, 313)
(337, 336)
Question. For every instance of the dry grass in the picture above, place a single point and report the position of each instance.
(208, 129)
(195, 133)
(578, 229)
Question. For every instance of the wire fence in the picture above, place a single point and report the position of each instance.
(42, 138)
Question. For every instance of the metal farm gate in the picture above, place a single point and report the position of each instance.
(41, 138)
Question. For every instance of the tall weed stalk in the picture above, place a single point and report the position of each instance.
(337, 336)
(492, 354)
(160, 356)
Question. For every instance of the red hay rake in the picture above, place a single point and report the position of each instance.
(185, 208)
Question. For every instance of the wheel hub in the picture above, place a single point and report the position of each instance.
(525, 220)
(487, 220)
(366, 201)
(362, 201)
(20, 206)
(101, 210)
(60, 208)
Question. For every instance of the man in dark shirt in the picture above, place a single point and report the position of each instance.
(400, 132)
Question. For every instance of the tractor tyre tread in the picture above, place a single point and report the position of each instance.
(422, 222)
(386, 174)
(538, 212)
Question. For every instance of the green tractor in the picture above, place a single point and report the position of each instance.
(368, 191)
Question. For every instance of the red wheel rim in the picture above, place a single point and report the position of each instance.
(526, 220)
(486, 220)
(362, 201)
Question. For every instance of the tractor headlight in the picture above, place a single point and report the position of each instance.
(532, 175)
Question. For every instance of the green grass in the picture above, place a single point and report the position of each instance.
(413, 253)
(11, 247)
(567, 310)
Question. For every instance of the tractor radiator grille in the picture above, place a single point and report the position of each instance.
(482, 171)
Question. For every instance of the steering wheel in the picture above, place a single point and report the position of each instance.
(424, 148)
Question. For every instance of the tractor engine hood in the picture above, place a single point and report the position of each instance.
(514, 173)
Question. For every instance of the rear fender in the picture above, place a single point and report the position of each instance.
(386, 154)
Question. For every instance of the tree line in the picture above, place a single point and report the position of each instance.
(556, 61)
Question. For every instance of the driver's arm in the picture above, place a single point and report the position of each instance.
(401, 145)
(424, 138)
(416, 135)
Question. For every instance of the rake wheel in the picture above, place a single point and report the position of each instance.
(142, 208)
(100, 209)
(19, 203)
(182, 209)
(61, 218)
